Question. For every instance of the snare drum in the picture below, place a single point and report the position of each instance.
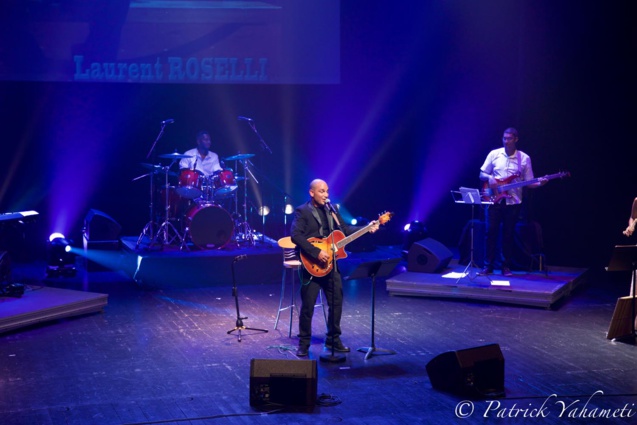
(224, 184)
(190, 182)
(210, 226)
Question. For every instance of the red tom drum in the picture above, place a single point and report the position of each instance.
(224, 184)
(190, 182)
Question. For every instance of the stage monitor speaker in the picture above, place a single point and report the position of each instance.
(283, 383)
(99, 226)
(473, 372)
(428, 256)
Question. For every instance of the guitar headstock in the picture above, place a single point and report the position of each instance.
(385, 217)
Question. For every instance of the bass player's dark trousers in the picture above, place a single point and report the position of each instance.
(507, 215)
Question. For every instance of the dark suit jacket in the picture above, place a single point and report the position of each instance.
(307, 224)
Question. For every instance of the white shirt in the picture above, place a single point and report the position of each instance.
(500, 166)
(207, 165)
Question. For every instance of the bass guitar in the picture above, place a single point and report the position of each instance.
(335, 243)
(494, 193)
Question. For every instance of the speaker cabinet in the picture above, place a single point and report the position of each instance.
(428, 256)
(283, 383)
(101, 233)
(99, 226)
(473, 372)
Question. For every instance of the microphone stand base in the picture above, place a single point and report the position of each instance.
(331, 358)
(373, 351)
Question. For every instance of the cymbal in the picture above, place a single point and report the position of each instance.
(157, 168)
(175, 155)
(239, 157)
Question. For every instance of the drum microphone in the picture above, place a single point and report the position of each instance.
(168, 121)
(240, 257)
(240, 118)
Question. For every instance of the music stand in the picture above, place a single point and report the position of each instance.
(472, 197)
(374, 269)
(624, 258)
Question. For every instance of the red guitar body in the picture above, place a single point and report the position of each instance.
(318, 268)
(497, 191)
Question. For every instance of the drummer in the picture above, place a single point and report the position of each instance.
(201, 158)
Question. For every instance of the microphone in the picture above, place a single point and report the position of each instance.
(329, 206)
(168, 121)
(240, 118)
(240, 257)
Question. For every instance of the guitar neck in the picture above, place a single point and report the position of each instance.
(529, 182)
(357, 234)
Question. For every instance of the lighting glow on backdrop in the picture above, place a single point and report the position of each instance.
(178, 42)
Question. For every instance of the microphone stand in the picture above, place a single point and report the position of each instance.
(332, 357)
(239, 326)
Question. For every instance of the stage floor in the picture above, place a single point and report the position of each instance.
(164, 355)
(537, 289)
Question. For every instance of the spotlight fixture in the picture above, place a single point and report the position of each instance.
(61, 262)
(288, 209)
(264, 210)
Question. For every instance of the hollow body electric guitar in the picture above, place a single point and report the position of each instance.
(494, 193)
(335, 243)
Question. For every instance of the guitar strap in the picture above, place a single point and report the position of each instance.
(336, 220)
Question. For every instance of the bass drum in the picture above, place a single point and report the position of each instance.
(210, 226)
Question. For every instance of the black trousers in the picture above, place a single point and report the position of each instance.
(508, 216)
(333, 289)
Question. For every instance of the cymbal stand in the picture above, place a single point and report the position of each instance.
(167, 233)
(244, 231)
(149, 228)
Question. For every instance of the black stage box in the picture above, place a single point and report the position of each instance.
(474, 372)
(428, 256)
(283, 383)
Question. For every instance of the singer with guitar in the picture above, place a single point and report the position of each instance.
(317, 218)
(505, 165)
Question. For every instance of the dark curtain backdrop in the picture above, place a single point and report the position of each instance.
(444, 80)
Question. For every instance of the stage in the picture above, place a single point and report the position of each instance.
(171, 267)
(41, 304)
(536, 289)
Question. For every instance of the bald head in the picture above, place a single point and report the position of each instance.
(319, 192)
(316, 182)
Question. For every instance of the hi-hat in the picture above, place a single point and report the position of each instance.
(175, 155)
(239, 157)
(158, 168)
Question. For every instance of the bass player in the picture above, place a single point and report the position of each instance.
(318, 219)
(505, 164)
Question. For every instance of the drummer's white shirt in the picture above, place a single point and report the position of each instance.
(207, 165)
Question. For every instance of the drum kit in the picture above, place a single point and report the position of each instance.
(198, 205)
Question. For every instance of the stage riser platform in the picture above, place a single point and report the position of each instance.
(172, 268)
(40, 304)
(535, 289)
